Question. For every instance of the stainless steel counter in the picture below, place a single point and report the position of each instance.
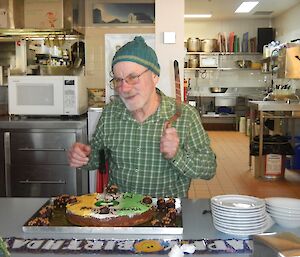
(273, 110)
(274, 106)
(16, 211)
(22, 122)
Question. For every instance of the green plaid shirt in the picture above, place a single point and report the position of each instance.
(133, 150)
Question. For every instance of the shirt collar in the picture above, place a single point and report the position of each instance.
(165, 110)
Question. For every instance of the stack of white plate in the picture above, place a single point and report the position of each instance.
(284, 211)
(239, 214)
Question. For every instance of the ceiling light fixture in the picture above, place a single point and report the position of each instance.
(197, 16)
(246, 7)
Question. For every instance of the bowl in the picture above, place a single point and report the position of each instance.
(284, 203)
(283, 211)
(244, 63)
(286, 222)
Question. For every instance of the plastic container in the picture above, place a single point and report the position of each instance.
(275, 149)
(242, 125)
(296, 159)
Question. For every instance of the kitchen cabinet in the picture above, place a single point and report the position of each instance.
(217, 113)
(2, 166)
(34, 153)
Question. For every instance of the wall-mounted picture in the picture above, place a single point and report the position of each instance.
(104, 13)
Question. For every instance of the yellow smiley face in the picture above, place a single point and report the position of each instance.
(148, 246)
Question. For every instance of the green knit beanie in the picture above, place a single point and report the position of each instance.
(139, 52)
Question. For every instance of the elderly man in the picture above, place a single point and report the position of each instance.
(145, 155)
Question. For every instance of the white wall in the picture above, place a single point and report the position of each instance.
(287, 29)
(169, 18)
(204, 29)
(287, 25)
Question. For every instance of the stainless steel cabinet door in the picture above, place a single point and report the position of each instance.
(40, 148)
(42, 180)
(2, 166)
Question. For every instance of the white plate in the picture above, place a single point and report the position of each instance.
(237, 214)
(238, 221)
(221, 208)
(240, 227)
(240, 202)
(268, 225)
(284, 202)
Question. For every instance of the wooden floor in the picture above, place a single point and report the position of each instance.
(234, 176)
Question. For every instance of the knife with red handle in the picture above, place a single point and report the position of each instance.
(102, 174)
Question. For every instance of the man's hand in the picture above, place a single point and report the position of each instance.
(78, 155)
(169, 142)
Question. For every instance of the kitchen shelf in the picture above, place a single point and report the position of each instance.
(225, 53)
(220, 69)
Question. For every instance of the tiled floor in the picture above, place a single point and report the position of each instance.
(233, 173)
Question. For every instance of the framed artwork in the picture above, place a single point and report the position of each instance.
(120, 13)
(43, 14)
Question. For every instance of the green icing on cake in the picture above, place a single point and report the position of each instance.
(131, 204)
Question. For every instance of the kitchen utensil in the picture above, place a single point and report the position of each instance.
(178, 96)
(209, 45)
(193, 44)
(244, 63)
(218, 89)
(194, 62)
(102, 176)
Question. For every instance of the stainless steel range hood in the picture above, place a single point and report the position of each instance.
(72, 23)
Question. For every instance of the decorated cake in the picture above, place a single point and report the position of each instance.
(110, 209)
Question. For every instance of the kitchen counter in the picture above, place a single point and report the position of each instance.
(274, 106)
(16, 211)
(23, 122)
(272, 110)
(253, 93)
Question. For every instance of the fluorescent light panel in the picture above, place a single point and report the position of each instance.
(246, 7)
(197, 15)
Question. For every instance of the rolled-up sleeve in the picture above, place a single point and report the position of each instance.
(195, 157)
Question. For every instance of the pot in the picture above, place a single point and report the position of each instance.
(209, 45)
(193, 44)
(193, 63)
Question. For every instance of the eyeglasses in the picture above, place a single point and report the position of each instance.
(131, 79)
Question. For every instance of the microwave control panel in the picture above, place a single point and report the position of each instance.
(70, 96)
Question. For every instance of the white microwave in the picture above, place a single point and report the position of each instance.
(209, 61)
(46, 95)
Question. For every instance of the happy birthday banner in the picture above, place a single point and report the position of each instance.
(99, 246)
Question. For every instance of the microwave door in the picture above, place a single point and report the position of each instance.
(38, 96)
